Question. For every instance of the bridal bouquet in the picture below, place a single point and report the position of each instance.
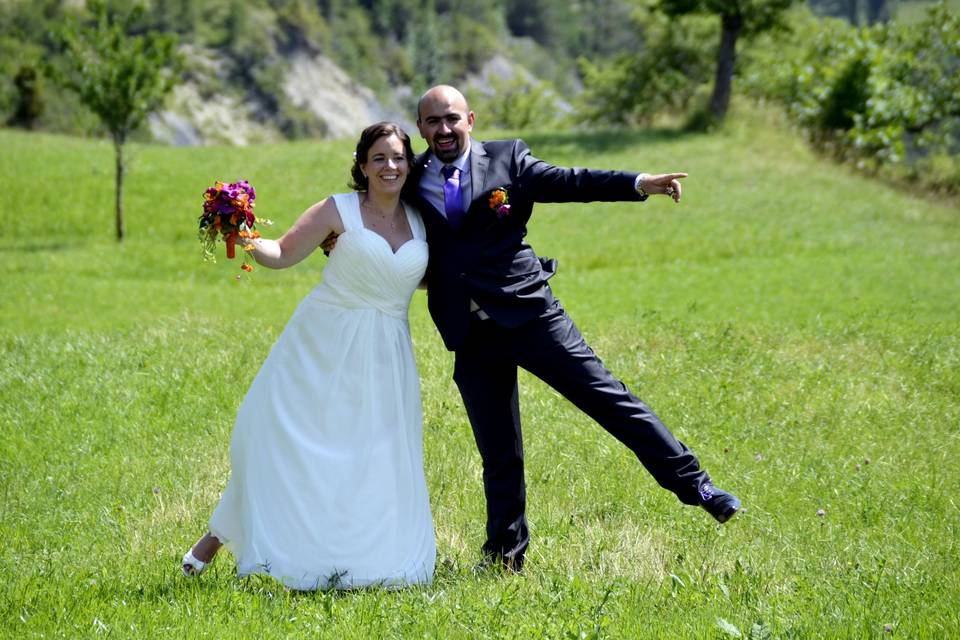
(228, 214)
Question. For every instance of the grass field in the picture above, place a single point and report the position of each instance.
(794, 323)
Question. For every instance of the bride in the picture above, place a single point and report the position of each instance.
(327, 487)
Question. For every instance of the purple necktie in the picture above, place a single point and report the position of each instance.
(452, 196)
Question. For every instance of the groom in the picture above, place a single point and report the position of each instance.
(489, 297)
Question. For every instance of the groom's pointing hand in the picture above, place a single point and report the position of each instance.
(665, 183)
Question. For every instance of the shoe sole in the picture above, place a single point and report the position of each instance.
(726, 517)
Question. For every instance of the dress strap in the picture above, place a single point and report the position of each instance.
(348, 206)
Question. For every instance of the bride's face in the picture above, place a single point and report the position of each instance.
(386, 167)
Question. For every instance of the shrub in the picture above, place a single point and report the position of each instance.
(881, 96)
(673, 62)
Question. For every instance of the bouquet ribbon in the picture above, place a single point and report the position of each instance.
(231, 241)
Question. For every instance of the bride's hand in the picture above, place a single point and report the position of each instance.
(329, 243)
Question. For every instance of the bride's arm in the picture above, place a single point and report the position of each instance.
(306, 234)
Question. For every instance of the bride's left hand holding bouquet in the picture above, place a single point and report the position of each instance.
(228, 214)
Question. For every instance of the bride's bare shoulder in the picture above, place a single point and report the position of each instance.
(325, 213)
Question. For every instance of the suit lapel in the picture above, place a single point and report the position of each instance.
(478, 171)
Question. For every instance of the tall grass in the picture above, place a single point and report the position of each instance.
(794, 323)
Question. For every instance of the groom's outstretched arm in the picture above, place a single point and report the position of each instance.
(549, 183)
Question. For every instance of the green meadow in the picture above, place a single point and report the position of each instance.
(796, 323)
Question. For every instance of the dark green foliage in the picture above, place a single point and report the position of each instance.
(661, 76)
(29, 100)
(302, 27)
(541, 20)
(119, 77)
(519, 103)
(881, 96)
(242, 46)
(847, 97)
(757, 15)
(357, 47)
(737, 17)
(427, 51)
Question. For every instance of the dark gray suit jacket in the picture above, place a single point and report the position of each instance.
(486, 258)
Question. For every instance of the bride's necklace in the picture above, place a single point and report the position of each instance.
(384, 218)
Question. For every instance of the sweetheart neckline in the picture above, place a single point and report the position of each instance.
(385, 241)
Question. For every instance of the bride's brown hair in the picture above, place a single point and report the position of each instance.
(369, 136)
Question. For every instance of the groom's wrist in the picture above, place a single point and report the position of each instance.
(638, 185)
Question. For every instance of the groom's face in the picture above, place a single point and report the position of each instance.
(445, 123)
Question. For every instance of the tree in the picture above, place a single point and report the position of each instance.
(120, 77)
(737, 17)
(661, 75)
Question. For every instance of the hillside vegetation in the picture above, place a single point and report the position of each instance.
(876, 88)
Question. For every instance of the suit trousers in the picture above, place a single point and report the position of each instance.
(551, 348)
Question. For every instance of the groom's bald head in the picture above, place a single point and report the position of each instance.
(445, 122)
(442, 93)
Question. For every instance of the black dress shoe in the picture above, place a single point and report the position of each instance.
(497, 563)
(718, 503)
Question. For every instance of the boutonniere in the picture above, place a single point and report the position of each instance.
(500, 202)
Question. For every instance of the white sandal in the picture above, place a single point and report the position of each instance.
(191, 566)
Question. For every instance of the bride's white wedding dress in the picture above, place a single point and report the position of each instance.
(327, 487)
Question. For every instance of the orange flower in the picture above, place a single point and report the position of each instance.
(498, 202)
(246, 267)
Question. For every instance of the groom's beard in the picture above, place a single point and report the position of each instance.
(448, 154)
